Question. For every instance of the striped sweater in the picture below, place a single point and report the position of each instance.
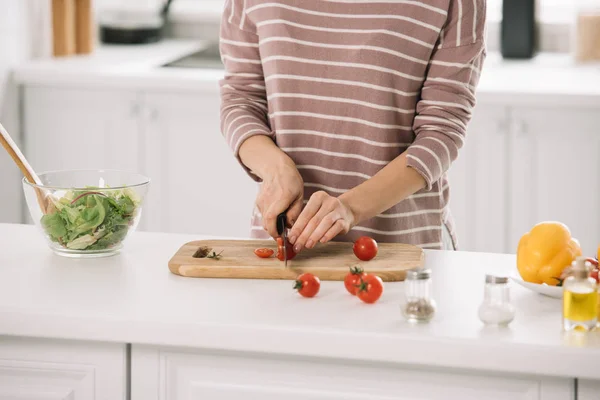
(345, 86)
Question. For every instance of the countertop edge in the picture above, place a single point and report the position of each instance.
(208, 82)
(464, 354)
(560, 82)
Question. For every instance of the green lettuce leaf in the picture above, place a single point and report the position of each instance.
(91, 219)
(54, 226)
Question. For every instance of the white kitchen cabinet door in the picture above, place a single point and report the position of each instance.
(478, 183)
(86, 128)
(11, 195)
(40, 369)
(555, 172)
(191, 375)
(81, 128)
(588, 390)
(197, 185)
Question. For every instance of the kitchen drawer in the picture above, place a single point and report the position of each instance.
(36, 369)
(187, 375)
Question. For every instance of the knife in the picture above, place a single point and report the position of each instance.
(282, 231)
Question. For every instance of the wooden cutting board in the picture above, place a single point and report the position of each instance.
(329, 261)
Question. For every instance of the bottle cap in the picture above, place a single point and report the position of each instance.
(580, 268)
(418, 274)
(496, 279)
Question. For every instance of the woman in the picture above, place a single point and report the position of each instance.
(350, 112)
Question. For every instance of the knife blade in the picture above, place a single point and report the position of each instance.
(282, 231)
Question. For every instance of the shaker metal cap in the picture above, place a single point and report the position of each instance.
(418, 274)
(496, 279)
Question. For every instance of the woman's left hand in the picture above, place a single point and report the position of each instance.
(323, 218)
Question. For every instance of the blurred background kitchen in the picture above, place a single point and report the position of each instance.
(133, 85)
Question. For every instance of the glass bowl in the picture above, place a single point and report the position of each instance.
(86, 213)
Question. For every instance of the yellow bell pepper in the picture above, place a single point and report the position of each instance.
(545, 251)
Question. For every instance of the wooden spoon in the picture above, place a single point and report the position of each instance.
(18, 157)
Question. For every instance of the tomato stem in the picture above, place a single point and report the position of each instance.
(298, 284)
(560, 281)
(356, 270)
(363, 286)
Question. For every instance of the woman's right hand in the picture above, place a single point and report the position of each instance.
(282, 189)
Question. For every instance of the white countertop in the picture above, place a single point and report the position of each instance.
(548, 79)
(133, 298)
(121, 66)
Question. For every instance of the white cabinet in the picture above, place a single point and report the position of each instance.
(81, 129)
(198, 186)
(38, 369)
(519, 166)
(523, 166)
(170, 374)
(555, 172)
(11, 210)
(477, 180)
(588, 390)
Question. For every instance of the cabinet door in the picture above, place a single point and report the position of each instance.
(555, 172)
(81, 129)
(10, 176)
(588, 390)
(190, 375)
(68, 129)
(478, 186)
(36, 369)
(197, 185)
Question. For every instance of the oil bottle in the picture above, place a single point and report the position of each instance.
(580, 298)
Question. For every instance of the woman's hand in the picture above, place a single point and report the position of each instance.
(282, 186)
(323, 218)
(282, 189)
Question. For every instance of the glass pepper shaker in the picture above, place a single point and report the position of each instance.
(496, 308)
(419, 306)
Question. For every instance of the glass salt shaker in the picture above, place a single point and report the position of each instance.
(496, 308)
(419, 306)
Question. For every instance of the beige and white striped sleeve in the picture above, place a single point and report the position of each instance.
(448, 95)
(244, 111)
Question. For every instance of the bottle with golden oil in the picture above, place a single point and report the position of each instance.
(598, 259)
(580, 298)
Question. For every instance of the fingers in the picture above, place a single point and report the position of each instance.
(270, 217)
(294, 211)
(338, 227)
(310, 210)
(305, 238)
(327, 223)
(318, 209)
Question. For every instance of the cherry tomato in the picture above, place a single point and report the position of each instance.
(352, 280)
(365, 248)
(370, 288)
(307, 285)
(594, 275)
(264, 253)
(290, 250)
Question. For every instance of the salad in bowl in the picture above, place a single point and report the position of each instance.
(80, 215)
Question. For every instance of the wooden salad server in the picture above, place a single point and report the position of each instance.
(18, 157)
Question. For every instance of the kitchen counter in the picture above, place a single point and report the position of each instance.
(547, 79)
(133, 298)
(122, 66)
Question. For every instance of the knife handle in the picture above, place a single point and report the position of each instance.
(281, 223)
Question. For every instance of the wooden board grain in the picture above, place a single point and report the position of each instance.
(329, 261)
